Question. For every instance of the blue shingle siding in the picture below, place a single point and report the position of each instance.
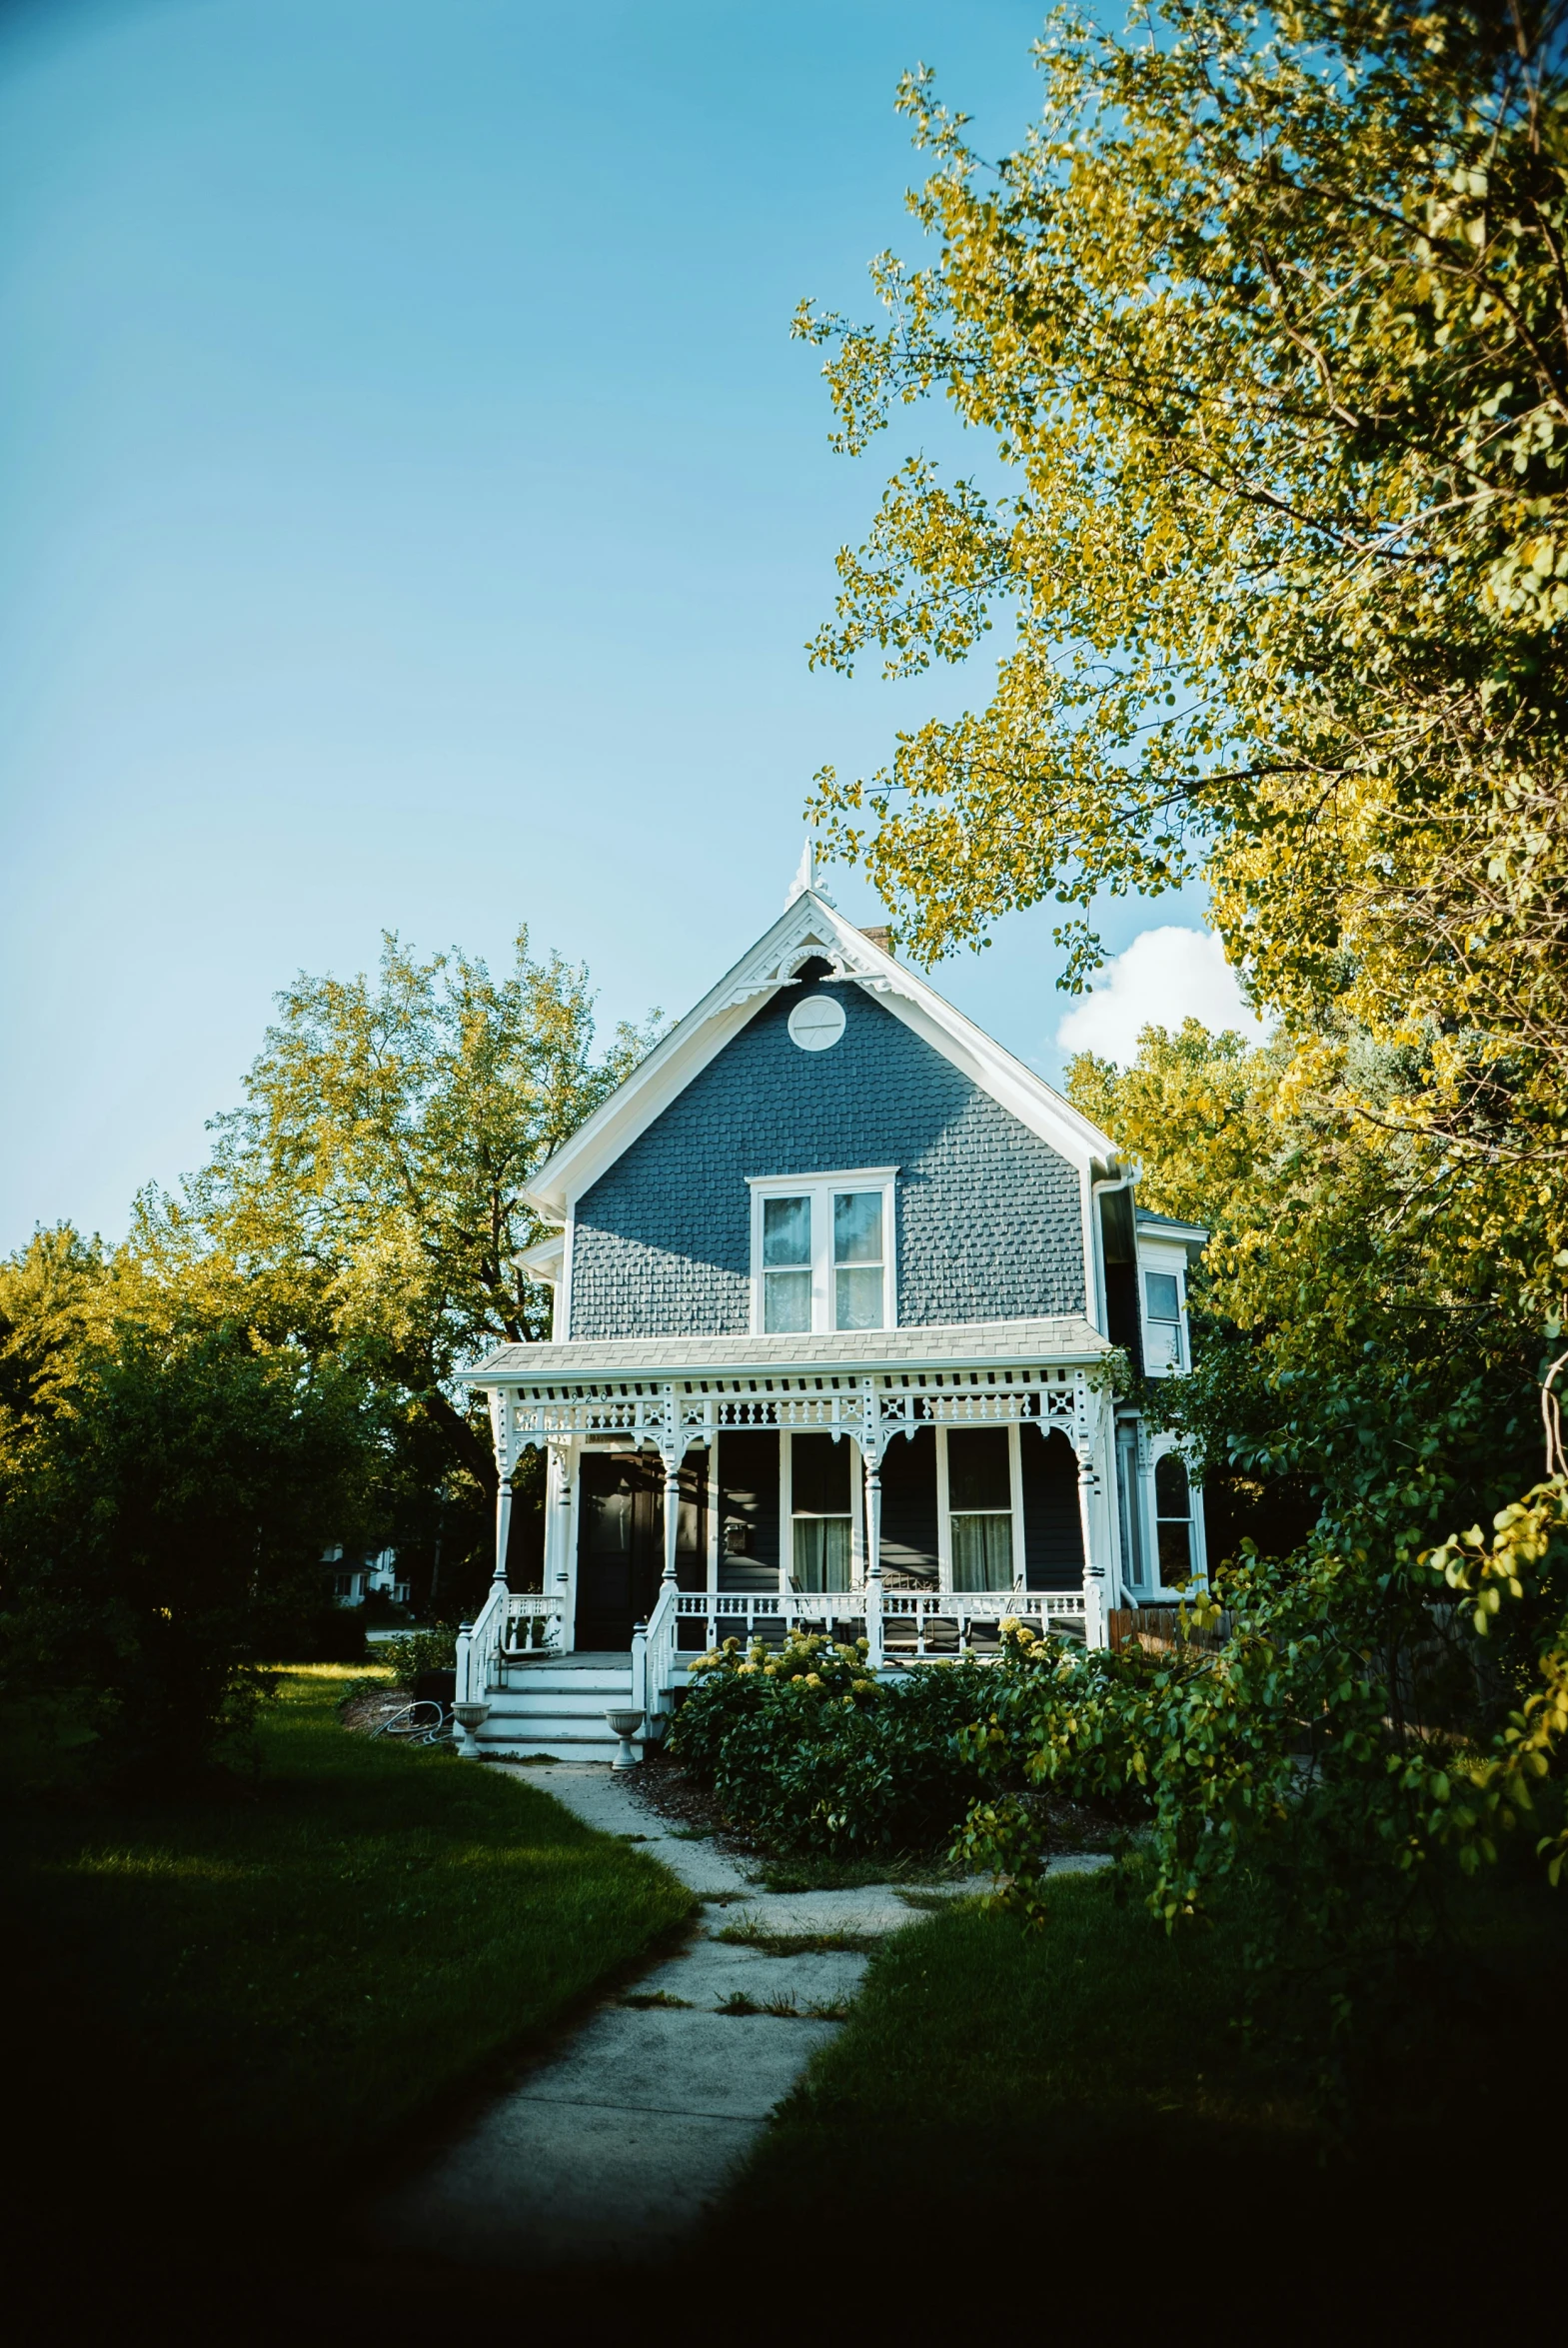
(989, 1215)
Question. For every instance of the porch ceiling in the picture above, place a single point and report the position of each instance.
(980, 1344)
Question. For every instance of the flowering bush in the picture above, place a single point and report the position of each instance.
(806, 1751)
(434, 1649)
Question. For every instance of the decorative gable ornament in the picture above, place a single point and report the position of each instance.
(807, 937)
(817, 1023)
(809, 930)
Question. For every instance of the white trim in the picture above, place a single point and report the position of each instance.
(858, 1558)
(543, 1261)
(787, 1438)
(866, 1177)
(1170, 1257)
(1014, 1511)
(1016, 1477)
(1197, 1545)
(825, 1185)
(808, 928)
(560, 1327)
(943, 1516)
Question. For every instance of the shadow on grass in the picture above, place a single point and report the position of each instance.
(235, 2001)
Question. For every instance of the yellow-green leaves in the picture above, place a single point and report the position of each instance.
(1264, 318)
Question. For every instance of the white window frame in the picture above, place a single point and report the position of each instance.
(944, 1507)
(1157, 1589)
(787, 1438)
(1173, 1260)
(821, 1187)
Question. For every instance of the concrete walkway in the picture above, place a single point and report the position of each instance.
(615, 2147)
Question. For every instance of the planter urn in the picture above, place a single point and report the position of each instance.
(470, 1718)
(625, 1725)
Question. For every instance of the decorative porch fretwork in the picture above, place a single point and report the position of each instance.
(671, 1414)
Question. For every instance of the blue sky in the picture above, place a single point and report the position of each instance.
(413, 511)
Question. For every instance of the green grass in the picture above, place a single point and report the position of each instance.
(269, 1982)
(1093, 2068)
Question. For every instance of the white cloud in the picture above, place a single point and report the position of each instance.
(1165, 977)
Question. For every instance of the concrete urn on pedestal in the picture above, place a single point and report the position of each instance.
(625, 1725)
(471, 1720)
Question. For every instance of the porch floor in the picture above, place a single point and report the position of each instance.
(580, 1660)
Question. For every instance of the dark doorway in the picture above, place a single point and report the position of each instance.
(621, 1542)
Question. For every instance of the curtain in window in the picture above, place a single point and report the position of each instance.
(822, 1553)
(982, 1552)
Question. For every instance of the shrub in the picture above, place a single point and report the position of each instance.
(434, 1649)
(806, 1750)
(159, 1537)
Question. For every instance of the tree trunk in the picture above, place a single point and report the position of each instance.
(469, 1450)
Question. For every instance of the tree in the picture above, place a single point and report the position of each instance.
(161, 1532)
(1353, 1342)
(367, 1199)
(1266, 315)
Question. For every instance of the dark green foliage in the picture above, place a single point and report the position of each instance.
(434, 1649)
(807, 1752)
(1092, 2065)
(162, 1533)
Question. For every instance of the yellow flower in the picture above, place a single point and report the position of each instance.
(813, 1679)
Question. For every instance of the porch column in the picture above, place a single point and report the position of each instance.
(558, 1519)
(671, 1517)
(871, 1452)
(873, 1562)
(672, 1449)
(501, 1432)
(1089, 1416)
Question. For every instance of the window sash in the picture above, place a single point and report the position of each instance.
(823, 1549)
(983, 1550)
(787, 1302)
(821, 1255)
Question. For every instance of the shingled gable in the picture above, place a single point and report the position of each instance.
(809, 929)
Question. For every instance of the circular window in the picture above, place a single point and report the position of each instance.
(817, 1022)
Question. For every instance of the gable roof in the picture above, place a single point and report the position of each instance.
(809, 929)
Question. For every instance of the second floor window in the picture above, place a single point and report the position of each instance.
(823, 1253)
(1162, 1302)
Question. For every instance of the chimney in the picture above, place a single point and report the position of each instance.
(881, 937)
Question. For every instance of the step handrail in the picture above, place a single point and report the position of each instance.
(479, 1646)
(654, 1656)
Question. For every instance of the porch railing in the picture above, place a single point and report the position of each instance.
(536, 1624)
(479, 1648)
(898, 1626)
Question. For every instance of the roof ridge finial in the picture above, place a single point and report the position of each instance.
(806, 874)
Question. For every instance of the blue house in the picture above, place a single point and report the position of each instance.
(836, 1278)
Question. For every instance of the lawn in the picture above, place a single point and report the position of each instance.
(267, 1984)
(1060, 2093)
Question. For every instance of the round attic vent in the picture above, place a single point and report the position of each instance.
(817, 1022)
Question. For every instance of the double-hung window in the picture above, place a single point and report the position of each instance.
(822, 1511)
(1163, 1311)
(823, 1251)
(979, 1502)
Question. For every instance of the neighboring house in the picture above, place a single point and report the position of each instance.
(352, 1579)
(836, 1278)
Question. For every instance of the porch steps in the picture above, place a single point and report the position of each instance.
(557, 1708)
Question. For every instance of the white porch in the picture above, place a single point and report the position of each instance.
(672, 1403)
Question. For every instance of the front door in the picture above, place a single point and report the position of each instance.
(621, 1542)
